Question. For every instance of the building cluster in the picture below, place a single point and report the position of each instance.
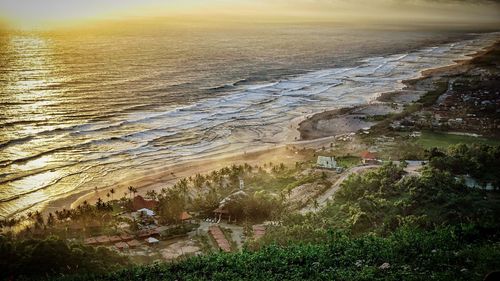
(468, 106)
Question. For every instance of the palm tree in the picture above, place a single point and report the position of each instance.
(152, 194)
(108, 195)
(38, 218)
(112, 191)
(131, 191)
(50, 220)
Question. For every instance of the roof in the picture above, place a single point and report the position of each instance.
(102, 239)
(367, 155)
(258, 231)
(139, 203)
(233, 196)
(90, 241)
(133, 243)
(125, 236)
(151, 240)
(121, 245)
(147, 212)
(147, 232)
(115, 238)
(184, 216)
(326, 162)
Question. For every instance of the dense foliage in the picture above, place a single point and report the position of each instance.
(385, 224)
(482, 162)
(37, 258)
(410, 254)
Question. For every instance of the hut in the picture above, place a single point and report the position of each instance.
(121, 246)
(126, 237)
(184, 216)
(152, 240)
(115, 238)
(369, 158)
(145, 212)
(220, 212)
(90, 241)
(133, 243)
(102, 239)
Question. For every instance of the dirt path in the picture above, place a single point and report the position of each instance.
(322, 200)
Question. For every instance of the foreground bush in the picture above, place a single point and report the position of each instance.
(39, 258)
(408, 254)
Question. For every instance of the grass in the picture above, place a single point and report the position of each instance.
(269, 182)
(348, 161)
(443, 140)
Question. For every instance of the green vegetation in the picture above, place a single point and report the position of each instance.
(482, 162)
(410, 254)
(178, 230)
(443, 140)
(385, 199)
(384, 224)
(39, 258)
(348, 161)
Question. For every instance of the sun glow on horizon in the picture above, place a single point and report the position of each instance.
(29, 14)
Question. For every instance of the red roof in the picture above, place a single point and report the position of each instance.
(367, 155)
(184, 216)
(114, 239)
(121, 245)
(134, 243)
(139, 203)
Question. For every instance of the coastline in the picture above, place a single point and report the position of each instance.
(297, 133)
(352, 119)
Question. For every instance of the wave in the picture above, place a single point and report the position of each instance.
(14, 142)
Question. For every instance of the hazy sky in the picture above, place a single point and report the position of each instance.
(38, 12)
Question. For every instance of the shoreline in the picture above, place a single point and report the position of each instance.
(352, 119)
(295, 134)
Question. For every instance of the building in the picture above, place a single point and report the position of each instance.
(145, 212)
(140, 203)
(326, 162)
(184, 216)
(369, 158)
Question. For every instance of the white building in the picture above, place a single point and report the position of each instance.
(326, 162)
(145, 212)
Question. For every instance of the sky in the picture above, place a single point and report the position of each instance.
(37, 13)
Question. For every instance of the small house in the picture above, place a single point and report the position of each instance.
(152, 240)
(184, 216)
(145, 212)
(121, 246)
(369, 158)
(326, 162)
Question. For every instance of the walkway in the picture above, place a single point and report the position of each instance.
(322, 200)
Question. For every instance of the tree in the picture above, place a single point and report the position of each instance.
(131, 191)
(50, 220)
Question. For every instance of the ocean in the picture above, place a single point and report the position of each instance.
(88, 110)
